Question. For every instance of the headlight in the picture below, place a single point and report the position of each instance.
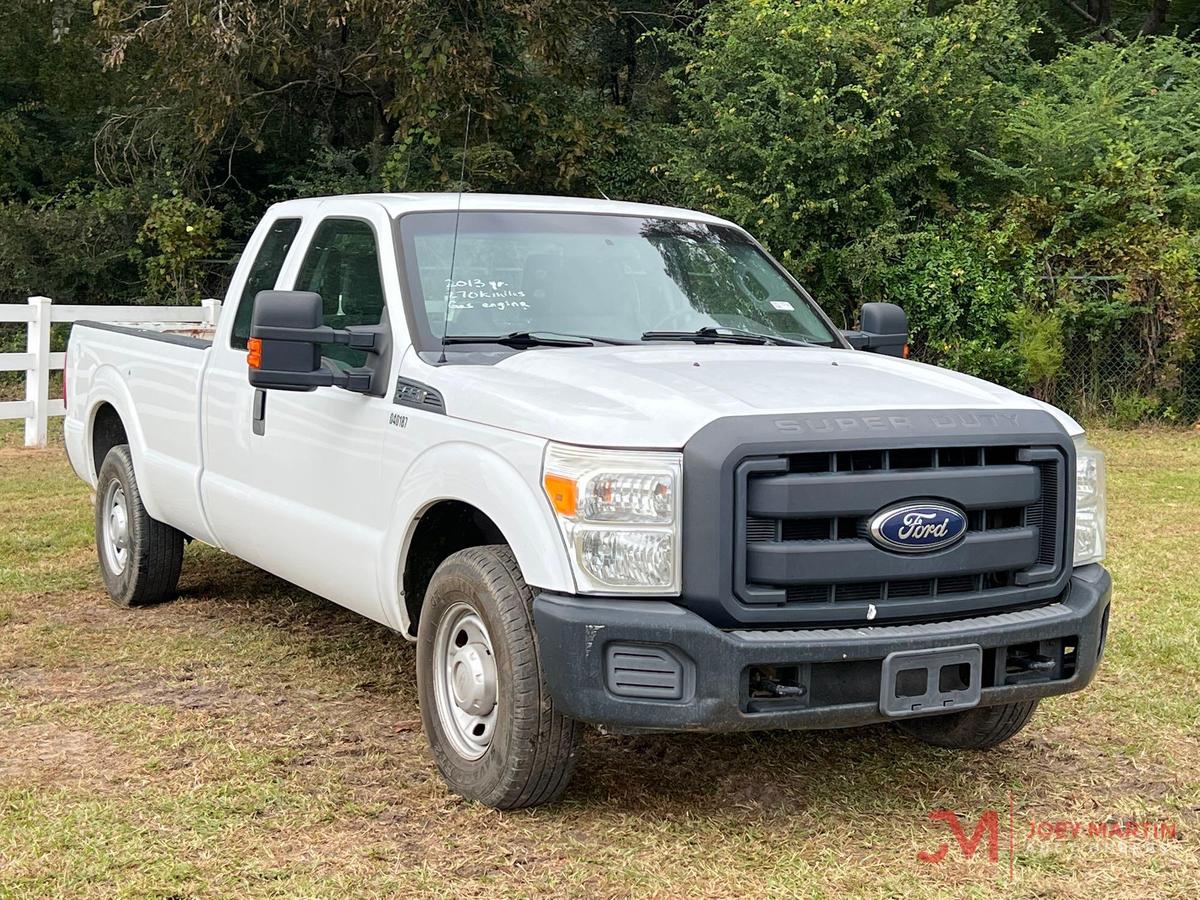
(1090, 503)
(619, 514)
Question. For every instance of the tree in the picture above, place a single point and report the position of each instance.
(236, 75)
(819, 125)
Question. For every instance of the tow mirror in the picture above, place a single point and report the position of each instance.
(286, 337)
(884, 330)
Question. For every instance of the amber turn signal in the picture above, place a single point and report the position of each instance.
(562, 494)
(905, 351)
(254, 356)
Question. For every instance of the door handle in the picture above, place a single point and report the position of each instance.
(258, 413)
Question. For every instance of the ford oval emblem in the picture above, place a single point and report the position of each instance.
(918, 527)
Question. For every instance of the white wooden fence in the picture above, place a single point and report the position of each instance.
(37, 361)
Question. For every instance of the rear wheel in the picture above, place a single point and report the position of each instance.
(140, 557)
(489, 718)
(972, 729)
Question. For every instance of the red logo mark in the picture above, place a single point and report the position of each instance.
(989, 825)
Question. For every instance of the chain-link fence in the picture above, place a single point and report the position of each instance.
(1128, 378)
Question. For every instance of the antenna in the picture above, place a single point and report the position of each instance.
(462, 173)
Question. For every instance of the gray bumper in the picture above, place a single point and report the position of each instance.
(706, 672)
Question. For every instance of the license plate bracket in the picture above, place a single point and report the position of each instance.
(915, 682)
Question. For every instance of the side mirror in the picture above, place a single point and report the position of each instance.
(286, 336)
(884, 330)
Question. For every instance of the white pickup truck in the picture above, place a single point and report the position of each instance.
(605, 463)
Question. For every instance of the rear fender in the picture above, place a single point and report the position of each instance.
(108, 387)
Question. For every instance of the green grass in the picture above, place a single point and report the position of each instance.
(250, 739)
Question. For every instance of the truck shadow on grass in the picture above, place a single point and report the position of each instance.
(873, 770)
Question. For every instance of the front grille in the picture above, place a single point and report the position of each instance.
(804, 539)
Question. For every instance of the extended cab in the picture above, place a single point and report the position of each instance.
(605, 463)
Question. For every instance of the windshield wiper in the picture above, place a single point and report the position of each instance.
(523, 339)
(710, 334)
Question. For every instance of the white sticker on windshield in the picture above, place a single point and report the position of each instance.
(783, 305)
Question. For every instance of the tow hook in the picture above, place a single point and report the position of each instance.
(1037, 664)
(779, 690)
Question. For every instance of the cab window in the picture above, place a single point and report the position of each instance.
(263, 273)
(342, 265)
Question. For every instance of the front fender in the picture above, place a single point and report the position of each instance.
(482, 478)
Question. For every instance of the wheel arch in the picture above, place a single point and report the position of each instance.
(111, 403)
(106, 430)
(486, 500)
(443, 528)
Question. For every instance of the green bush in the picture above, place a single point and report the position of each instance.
(960, 281)
(1100, 165)
(1036, 346)
(179, 233)
(820, 126)
(1128, 408)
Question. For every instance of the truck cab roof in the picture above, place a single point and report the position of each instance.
(397, 204)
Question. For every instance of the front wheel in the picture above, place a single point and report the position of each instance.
(973, 729)
(488, 716)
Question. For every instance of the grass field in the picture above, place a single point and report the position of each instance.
(250, 739)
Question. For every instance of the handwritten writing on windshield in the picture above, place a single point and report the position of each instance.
(472, 292)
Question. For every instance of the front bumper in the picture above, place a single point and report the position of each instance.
(702, 678)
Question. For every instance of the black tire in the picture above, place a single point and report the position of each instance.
(533, 749)
(973, 729)
(154, 550)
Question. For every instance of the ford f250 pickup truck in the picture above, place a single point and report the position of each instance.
(605, 463)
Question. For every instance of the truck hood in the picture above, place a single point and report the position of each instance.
(652, 395)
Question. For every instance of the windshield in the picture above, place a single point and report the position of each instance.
(603, 276)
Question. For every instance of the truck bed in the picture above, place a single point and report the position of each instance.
(157, 370)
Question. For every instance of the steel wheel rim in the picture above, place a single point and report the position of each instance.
(465, 682)
(115, 528)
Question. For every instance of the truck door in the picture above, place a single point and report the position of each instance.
(292, 480)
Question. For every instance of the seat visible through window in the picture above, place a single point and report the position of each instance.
(342, 265)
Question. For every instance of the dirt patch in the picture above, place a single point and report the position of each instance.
(52, 755)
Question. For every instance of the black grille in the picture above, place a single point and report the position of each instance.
(901, 458)
(899, 589)
(1041, 515)
(806, 543)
